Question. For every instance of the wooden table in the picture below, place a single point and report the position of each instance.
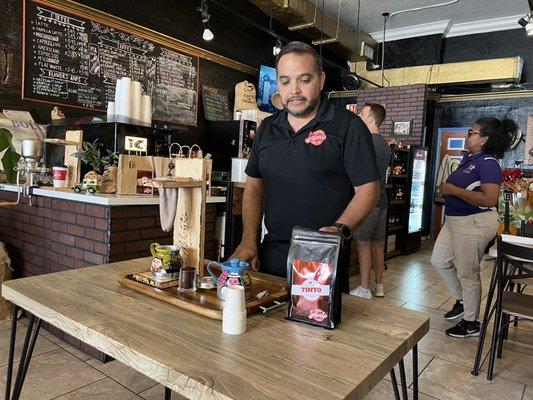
(188, 353)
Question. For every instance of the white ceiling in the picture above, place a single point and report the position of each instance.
(463, 14)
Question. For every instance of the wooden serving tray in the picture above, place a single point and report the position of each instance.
(206, 302)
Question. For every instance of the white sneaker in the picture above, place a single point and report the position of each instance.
(377, 289)
(360, 291)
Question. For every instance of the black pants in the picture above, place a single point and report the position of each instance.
(273, 258)
(273, 261)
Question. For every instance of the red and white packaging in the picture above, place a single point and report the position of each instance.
(314, 292)
(60, 176)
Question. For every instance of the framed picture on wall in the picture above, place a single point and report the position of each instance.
(456, 144)
(401, 127)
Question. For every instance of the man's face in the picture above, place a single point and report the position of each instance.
(299, 84)
(367, 117)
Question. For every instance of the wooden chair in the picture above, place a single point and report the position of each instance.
(513, 266)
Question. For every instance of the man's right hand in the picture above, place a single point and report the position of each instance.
(247, 252)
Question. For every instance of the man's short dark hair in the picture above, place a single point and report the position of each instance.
(301, 48)
(378, 112)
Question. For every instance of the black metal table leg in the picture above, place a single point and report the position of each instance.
(415, 372)
(403, 381)
(24, 350)
(487, 315)
(497, 322)
(12, 341)
(394, 384)
(168, 393)
(25, 357)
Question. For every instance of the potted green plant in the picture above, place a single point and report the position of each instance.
(92, 154)
(10, 156)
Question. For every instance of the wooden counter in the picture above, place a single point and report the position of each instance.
(274, 359)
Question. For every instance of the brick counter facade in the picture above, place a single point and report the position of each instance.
(56, 235)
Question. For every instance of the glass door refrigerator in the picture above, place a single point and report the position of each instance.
(417, 172)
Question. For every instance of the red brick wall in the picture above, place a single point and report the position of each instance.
(133, 228)
(54, 234)
(402, 103)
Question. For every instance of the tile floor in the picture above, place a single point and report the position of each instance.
(59, 371)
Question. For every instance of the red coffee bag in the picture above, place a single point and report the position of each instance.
(314, 290)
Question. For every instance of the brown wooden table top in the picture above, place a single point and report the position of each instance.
(274, 359)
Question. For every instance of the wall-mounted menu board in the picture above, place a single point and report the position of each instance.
(216, 104)
(75, 61)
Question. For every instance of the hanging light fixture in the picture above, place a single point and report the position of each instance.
(204, 9)
(207, 35)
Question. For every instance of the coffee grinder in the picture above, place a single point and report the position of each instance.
(31, 167)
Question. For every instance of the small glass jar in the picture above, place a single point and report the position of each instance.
(187, 280)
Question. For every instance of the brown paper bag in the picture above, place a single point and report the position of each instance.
(135, 174)
(162, 167)
(196, 168)
(109, 180)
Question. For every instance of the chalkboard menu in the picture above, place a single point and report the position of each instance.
(75, 61)
(216, 104)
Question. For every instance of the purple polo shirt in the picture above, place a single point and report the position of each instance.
(474, 170)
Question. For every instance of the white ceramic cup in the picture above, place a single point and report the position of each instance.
(60, 176)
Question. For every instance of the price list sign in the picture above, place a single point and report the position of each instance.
(74, 61)
(216, 104)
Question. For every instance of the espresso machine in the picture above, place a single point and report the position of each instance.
(30, 167)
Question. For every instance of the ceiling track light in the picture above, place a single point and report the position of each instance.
(204, 9)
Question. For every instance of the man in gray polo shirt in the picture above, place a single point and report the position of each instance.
(370, 235)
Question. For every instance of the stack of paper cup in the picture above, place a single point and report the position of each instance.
(136, 99)
(110, 108)
(234, 312)
(146, 109)
(117, 95)
(124, 106)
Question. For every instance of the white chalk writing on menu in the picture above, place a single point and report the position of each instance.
(74, 61)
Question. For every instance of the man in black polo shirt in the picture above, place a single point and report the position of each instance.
(305, 163)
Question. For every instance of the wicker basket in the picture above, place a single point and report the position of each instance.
(5, 275)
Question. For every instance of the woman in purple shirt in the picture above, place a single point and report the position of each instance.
(471, 194)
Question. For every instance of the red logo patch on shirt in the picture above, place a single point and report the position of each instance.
(316, 138)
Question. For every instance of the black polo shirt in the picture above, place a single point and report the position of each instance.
(309, 176)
